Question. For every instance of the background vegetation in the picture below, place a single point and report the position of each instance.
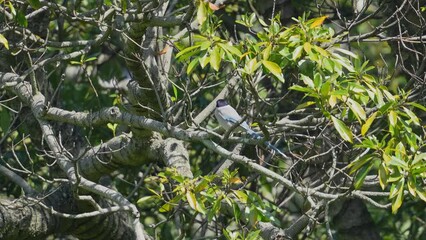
(107, 131)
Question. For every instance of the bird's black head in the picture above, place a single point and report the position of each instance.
(221, 103)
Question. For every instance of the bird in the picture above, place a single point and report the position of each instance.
(227, 117)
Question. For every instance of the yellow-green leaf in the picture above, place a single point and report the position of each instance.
(318, 21)
(297, 53)
(412, 185)
(362, 173)
(4, 41)
(393, 117)
(342, 129)
(190, 197)
(215, 58)
(230, 49)
(412, 116)
(367, 124)
(383, 176)
(397, 201)
(307, 80)
(192, 65)
(266, 52)
(274, 69)
(307, 47)
(421, 193)
(356, 108)
(201, 13)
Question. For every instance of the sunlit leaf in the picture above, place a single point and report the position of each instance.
(393, 117)
(342, 129)
(4, 41)
(412, 116)
(397, 201)
(201, 13)
(230, 49)
(346, 52)
(307, 80)
(274, 69)
(360, 177)
(187, 50)
(411, 183)
(395, 161)
(192, 65)
(356, 108)
(358, 163)
(215, 58)
(383, 176)
(318, 21)
(367, 124)
(419, 106)
(297, 53)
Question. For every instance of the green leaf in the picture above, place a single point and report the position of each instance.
(412, 116)
(147, 201)
(397, 201)
(393, 118)
(34, 3)
(342, 129)
(304, 105)
(230, 49)
(266, 52)
(411, 183)
(123, 6)
(215, 58)
(187, 50)
(201, 13)
(421, 107)
(346, 52)
(21, 19)
(358, 163)
(367, 124)
(307, 47)
(308, 81)
(4, 41)
(12, 8)
(204, 61)
(418, 157)
(190, 197)
(356, 108)
(297, 53)
(192, 65)
(274, 69)
(421, 193)
(251, 66)
(383, 176)
(398, 162)
(360, 177)
(301, 89)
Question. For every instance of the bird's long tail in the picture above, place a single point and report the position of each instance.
(269, 145)
(255, 135)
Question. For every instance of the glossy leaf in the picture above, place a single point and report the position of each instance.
(297, 53)
(274, 69)
(215, 58)
(201, 13)
(393, 118)
(4, 41)
(412, 116)
(367, 124)
(342, 129)
(360, 177)
(356, 108)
